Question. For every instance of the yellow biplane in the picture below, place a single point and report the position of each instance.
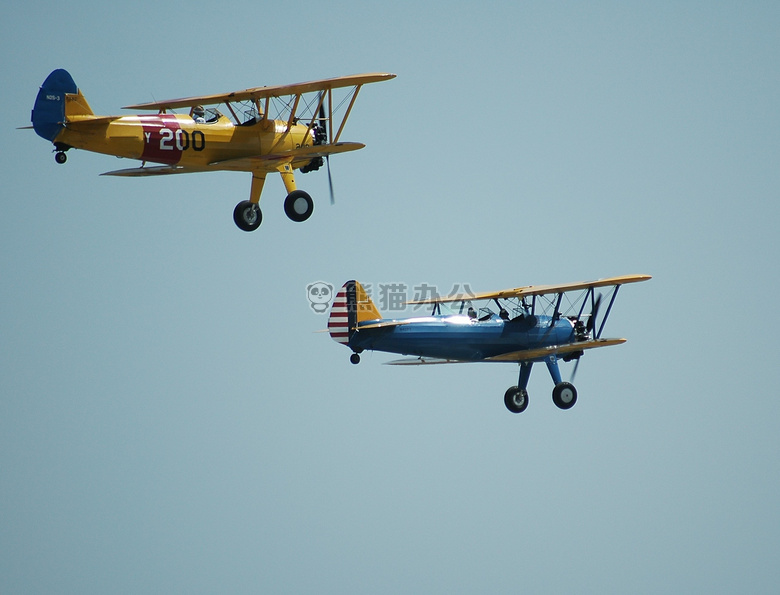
(270, 129)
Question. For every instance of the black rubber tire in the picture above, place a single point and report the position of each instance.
(564, 395)
(298, 206)
(247, 216)
(516, 399)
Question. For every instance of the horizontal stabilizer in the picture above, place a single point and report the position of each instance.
(383, 324)
(85, 123)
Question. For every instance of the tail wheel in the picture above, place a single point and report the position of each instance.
(516, 399)
(354, 358)
(247, 215)
(564, 395)
(298, 205)
(60, 157)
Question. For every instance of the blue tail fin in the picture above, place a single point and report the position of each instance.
(48, 113)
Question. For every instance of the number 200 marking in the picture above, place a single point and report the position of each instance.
(180, 140)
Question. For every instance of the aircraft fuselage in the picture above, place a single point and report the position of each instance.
(459, 337)
(175, 139)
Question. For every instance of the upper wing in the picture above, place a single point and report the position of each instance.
(265, 92)
(532, 290)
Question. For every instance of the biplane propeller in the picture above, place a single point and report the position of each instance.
(533, 324)
(270, 129)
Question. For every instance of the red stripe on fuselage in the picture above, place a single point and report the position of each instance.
(161, 143)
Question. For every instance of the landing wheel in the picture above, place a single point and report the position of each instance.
(354, 358)
(247, 215)
(516, 399)
(564, 395)
(60, 157)
(298, 206)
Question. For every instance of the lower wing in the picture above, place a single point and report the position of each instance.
(157, 170)
(271, 161)
(523, 355)
(268, 162)
(425, 361)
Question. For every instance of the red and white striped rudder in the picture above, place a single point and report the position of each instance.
(351, 306)
(338, 322)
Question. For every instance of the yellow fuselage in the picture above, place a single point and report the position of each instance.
(175, 139)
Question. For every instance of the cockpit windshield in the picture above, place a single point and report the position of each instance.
(212, 115)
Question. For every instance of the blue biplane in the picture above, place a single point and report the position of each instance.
(524, 325)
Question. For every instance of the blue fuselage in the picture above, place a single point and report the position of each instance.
(459, 337)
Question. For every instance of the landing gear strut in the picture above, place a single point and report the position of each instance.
(564, 394)
(59, 155)
(516, 397)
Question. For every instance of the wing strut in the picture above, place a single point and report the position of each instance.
(606, 314)
(232, 113)
(292, 112)
(330, 117)
(589, 294)
(557, 312)
(318, 115)
(346, 115)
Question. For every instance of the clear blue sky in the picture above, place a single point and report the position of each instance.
(170, 421)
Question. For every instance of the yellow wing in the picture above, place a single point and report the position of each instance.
(155, 170)
(269, 161)
(513, 357)
(541, 352)
(265, 92)
(532, 290)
